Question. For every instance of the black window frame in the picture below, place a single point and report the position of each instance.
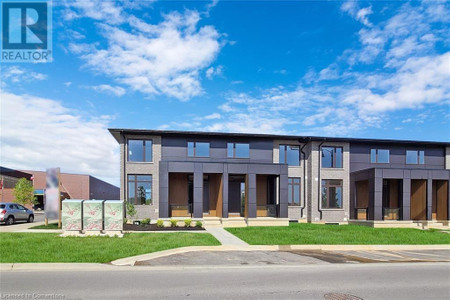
(234, 150)
(326, 183)
(144, 145)
(334, 157)
(291, 182)
(286, 155)
(376, 156)
(136, 181)
(195, 148)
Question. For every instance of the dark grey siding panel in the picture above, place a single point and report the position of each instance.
(175, 149)
(360, 157)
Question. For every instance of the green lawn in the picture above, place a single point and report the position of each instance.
(300, 233)
(49, 226)
(49, 247)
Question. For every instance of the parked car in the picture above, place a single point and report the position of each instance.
(12, 212)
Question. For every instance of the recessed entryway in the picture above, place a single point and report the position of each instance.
(418, 199)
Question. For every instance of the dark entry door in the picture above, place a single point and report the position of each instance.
(234, 197)
(418, 199)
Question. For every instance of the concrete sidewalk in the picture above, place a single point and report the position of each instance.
(224, 237)
(19, 227)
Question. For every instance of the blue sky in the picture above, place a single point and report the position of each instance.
(334, 68)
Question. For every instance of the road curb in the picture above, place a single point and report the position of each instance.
(131, 261)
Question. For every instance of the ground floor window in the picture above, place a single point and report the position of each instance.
(331, 193)
(293, 191)
(140, 189)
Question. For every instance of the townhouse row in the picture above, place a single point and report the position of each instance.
(277, 178)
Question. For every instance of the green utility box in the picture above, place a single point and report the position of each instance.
(72, 215)
(114, 214)
(93, 215)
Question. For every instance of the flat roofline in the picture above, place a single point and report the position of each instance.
(117, 132)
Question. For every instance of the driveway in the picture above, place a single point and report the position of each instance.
(218, 258)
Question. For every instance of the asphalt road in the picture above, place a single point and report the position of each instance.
(366, 281)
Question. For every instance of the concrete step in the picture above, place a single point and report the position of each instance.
(234, 222)
(212, 221)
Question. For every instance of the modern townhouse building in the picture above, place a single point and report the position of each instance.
(237, 179)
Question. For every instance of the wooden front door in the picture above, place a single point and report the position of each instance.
(418, 199)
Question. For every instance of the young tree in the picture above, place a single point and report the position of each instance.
(24, 192)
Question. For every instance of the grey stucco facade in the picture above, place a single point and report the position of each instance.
(170, 156)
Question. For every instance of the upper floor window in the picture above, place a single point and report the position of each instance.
(293, 191)
(238, 150)
(198, 149)
(331, 157)
(414, 157)
(380, 156)
(140, 150)
(290, 155)
(331, 193)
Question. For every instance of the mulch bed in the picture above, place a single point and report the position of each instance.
(153, 227)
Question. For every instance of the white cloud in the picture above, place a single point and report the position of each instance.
(165, 58)
(39, 133)
(16, 74)
(352, 8)
(106, 88)
(212, 72)
(213, 116)
(105, 11)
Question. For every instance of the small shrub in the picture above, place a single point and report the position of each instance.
(188, 222)
(131, 211)
(125, 221)
(199, 224)
(145, 221)
(173, 223)
(160, 223)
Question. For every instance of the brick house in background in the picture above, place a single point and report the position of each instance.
(73, 186)
(8, 180)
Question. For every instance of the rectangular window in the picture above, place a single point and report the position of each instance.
(198, 149)
(331, 194)
(140, 189)
(293, 191)
(414, 157)
(289, 155)
(140, 150)
(380, 156)
(238, 150)
(331, 157)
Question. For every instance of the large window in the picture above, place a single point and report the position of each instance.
(331, 194)
(238, 150)
(290, 155)
(380, 156)
(414, 157)
(331, 157)
(140, 150)
(198, 149)
(140, 189)
(293, 191)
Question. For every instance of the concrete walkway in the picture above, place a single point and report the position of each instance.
(224, 237)
(19, 227)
